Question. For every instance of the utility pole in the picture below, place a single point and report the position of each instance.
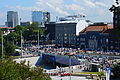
(69, 39)
(13, 22)
(21, 44)
(20, 21)
(62, 41)
(38, 40)
(70, 66)
(2, 45)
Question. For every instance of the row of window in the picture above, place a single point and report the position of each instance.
(60, 42)
(66, 34)
(65, 38)
(102, 40)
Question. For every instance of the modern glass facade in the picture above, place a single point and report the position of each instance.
(37, 16)
(40, 17)
(12, 18)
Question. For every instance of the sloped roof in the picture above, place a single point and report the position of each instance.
(97, 28)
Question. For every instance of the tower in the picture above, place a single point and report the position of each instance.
(116, 14)
(40, 17)
(12, 18)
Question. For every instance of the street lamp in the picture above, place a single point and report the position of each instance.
(71, 54)
(2, 34)
(70, 65)
(21, 44)
(38, 40)
(2, 46)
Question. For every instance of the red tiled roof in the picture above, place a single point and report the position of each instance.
(97, 28)
(7, 27)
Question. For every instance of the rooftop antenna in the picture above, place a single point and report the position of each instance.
(56, 18)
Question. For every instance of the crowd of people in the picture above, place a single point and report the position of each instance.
(103, 61)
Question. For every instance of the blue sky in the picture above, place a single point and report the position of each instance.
(94, 10)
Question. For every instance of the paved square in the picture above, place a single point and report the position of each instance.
(68, 78)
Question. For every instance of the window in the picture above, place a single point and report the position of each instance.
(116, 16)
(82, 39)
(101, 40)
(116, 21)
(116, 42)
(65, 37)
(59, 41)
(82, 43)
(111, 47)
(65, 34)
(65, 41)
(107, 40)
(59, 34)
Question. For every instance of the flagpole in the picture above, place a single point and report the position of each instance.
(21, 44)
(38, 40)
(2, 46)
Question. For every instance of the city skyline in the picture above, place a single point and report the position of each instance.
(94, 10)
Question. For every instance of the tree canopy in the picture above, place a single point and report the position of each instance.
(10, 70)
(9, 48)
(29, 33)
(116, 70)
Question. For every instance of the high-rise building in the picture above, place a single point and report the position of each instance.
(12, 18)
(46, 17)
(116, 14)
(50, 27)
(40, 17)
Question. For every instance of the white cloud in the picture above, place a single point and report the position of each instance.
(91, 8)
(101, 4)
(56, 6)
(23, 8)
(76, 0)
(61, 11)
(89, 3)
(57, 9)
(75, 7)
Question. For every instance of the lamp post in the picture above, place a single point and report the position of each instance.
(21, 44)
(70, 66)
(2, 46)
(62, 40)
(38, 40)
(69, 40)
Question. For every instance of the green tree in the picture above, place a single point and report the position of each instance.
(9, 48)
(15, 35)
(0, 51)
(116, 70)
(19, 28)
(118, 31)
(10, 70)
(31, 32)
